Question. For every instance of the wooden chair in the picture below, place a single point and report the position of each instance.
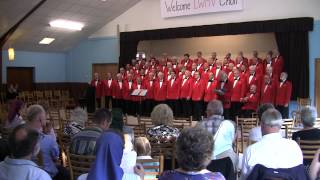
(64, 142)
(139, 130)
(39, 95)
(244, 125)
(54, 117)
(317, 123)
(150, 165)
(184, 122)
(287, 127)
(79, 164)
(309, 148)
(167, 150)
(146, 121)
(5, 132)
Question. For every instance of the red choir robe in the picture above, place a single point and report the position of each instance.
(160, 90)
(283, 93)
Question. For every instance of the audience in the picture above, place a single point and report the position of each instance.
(108, 158)
(49, 148)
(78, 117)
(255, 134)
(129, 156)
(223, 132)
(14, 114)
(23, 143)
(194, 148)
(314, 170)
(272, 151)
(84, 142)
(162, 117)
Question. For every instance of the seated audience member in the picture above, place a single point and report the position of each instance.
(49, 148)
(162, 117)
(84, 142)
(272, 151)
(14, 114)
(108, 158)
(255, 133)
(129, 156)
(223, 132)
(314, 170)
(23, 143)
(194, 150)
(78, 117)
(143, 148)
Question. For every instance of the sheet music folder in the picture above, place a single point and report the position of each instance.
(139, 92)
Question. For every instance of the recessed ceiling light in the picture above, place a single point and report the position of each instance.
(71, 25)
(46, 41)
(103, 0)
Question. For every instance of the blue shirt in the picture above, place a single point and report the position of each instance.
(50, 152)
(16, 169)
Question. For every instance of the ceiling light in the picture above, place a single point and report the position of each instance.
(11, 54)
(71, 25)
(46, 41)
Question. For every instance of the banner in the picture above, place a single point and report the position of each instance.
(173, 8)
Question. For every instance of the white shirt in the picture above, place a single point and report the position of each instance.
(120, 85)
(250, 78)
(184, 81)
(265, 88)
(235, 82)
(150, 83)
(109, 82)
(272, 151)
(161, 84)
(208, 85)
(172, 81)
(217, 72)
(21, 169)
(130, 85)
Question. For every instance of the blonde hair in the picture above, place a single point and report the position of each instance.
(162, 115)
(142, 146)
(33, 111)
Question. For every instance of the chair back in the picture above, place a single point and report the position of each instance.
(139, 130)
(152, 167)
(79, 164)
(317, 123)
(182, 122)
(244, 125)
(146, 121)
(167, 150)
(308, 148)
(287, 127)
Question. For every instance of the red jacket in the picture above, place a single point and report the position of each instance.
(117, 90)
(197, 90)
(107, 87)
(216, 72)
(283, 93)
(149, 86)
(278, 64)
(268, 93)
(238, 90)
(256, 80)
(252, 103)
(160, 93)
(187, 64)
(205, 74)
(226, 97)
(98, 87)
(209, 93)
(127, 90)
(173, 91)
(186, 88)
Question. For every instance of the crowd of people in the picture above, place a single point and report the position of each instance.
(187, 85)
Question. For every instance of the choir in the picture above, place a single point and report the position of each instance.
(188, 85)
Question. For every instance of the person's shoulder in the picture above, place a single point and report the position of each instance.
(40, 174)
(167, 174)
(216, 176)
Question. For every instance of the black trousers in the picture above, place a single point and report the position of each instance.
(235, 110)
(284, 111)
(137, 106)
(118, 103)
(107, 100)
(197, 110)
(226, 113)
(247, 113)
(63, 174)
(98, 102)
(148, 106)
(186, 107)
(174, 105)
(129, 107)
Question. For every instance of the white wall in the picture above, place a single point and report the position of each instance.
(146, 15)
(262, 42)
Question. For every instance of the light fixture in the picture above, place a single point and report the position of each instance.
(46, 40)
(11, 54)
(65, 24)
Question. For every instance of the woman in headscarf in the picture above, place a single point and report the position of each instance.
(14, 114)
(108, 158)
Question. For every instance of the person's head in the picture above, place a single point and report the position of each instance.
(79, 116)
(162, 115)
(103, 118)
(253, 89)
(283, 76)
(219, 63)
(269, 70)
(142, 146)
(308, 116)
(199, 54)
(96, 76)
(122, 70)
(267, 79)
(23, 142)
(236, 72)
(187, 73)
(269, 57)
(228, 55)
(15, 108)
(230, 66)
(255, 53)
(213, 55)
(109, 75)
(119, 77)
(129, 77)
(262, 108)
(240, 54)
(271, 121)
(160, 75)
(205, 66)
(194, 66)
(252, 70)
(186, 56)
(151, 75)
(197, 75)
(194, 148)
(223, 76)
(214, 107)
(36, 117)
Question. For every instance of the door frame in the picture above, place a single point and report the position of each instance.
(15, 67)
(317, 60)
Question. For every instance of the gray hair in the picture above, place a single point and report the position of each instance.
(194, 148)
(272, 117)
(215, 107)
(308, 116)
(162, 115)
(33, 112)
(79, 116)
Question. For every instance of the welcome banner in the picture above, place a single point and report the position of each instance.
(173, 8)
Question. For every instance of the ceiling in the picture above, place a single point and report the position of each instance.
(93, 13)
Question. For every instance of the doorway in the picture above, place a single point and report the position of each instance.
(103, 69)
(23, 76)
(317, 85)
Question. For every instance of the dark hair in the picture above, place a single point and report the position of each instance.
(186, 55)
(194, 149)
(25, 144)
(102, 115)
(262, 108)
